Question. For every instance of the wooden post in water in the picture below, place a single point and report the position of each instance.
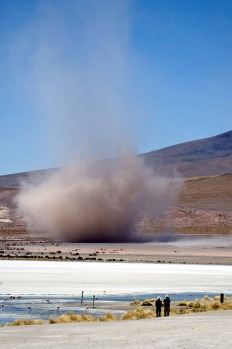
(82, 297)
(94, 301)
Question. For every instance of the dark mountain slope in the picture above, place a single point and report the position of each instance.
(204, 157)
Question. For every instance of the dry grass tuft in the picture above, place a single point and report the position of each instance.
(137, 314)
(108, 317)
(71, 317)
(215, 305)
(26, 322)
(148, 302)
(135, 302)
(206, 298)
(202, 305)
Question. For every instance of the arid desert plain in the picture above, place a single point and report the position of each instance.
(185, 252)
(185, 265)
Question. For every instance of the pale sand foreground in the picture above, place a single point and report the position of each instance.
(204, 330)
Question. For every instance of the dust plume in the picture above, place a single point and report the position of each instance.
(75, 64)
(78, 68)
(217, 241)
(101, 202)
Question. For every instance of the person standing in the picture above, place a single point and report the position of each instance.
(167, 303)
(158, 304)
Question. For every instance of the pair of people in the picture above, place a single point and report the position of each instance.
(166, 303)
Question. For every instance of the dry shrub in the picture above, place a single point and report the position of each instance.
(147, 302)
(137, 314)
(108, 317)
(174, 311)
(71, 317)
(190, 304)
(26, 322)
(206, 298)
(135, 302)
(215, 305)
(202, 305)
(227, 305)
(197, 304)
(182, 311)
(200, 309)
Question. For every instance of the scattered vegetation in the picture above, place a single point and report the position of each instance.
(71, 317)
(138, 314)
(26, 322)
(135, 302)
(108, 317)
(202, 305)
(183, 307)
(148, 302)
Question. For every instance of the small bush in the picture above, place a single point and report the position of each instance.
(135, 302)
(227, 306)
(137, 314)
(190, 304)
(182, 311)
(71, 317)
(197, 304)
(108, 317)
(182, 304)
(26, 322)
(215, 305)
(147, 302)
(202, 305)
(206, 298)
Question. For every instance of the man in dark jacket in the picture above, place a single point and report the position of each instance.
(158, 304)
(167, 302)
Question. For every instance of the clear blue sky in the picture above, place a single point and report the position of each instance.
(76, 76)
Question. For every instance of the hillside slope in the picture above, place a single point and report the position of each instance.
(204, 207)
(204, 157)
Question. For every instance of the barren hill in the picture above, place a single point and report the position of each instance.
(204, 207)
(204, 157)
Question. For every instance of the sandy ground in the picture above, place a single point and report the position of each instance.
(210, 250)
(204, 208)
(205, 330)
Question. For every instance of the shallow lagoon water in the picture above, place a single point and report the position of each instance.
(63, 282)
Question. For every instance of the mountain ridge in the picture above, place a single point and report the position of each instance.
(204, 157)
